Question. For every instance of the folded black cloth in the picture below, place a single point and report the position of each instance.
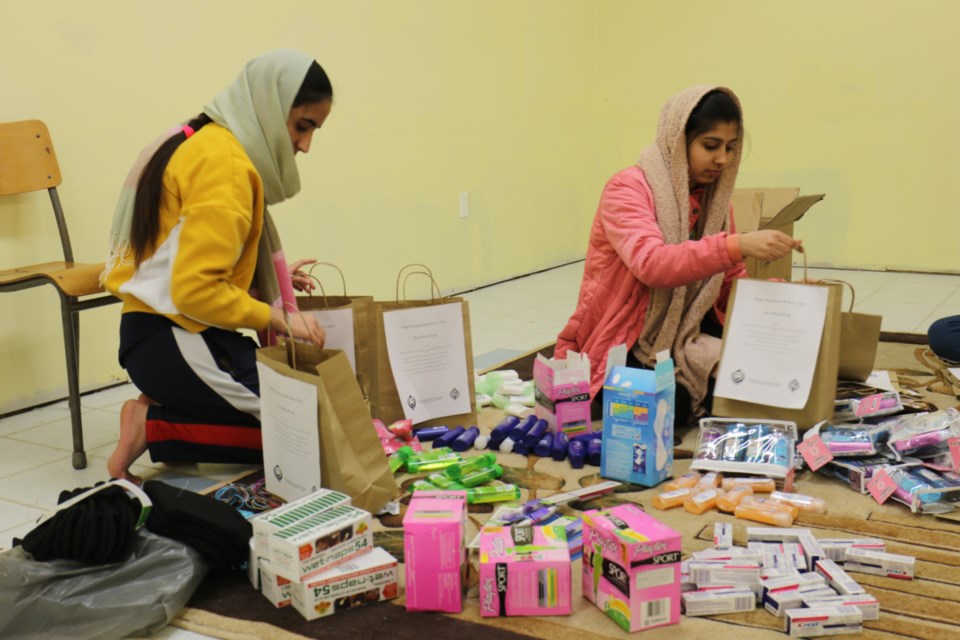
(216, 530)
(99, 529)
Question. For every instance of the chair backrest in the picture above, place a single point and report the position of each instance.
(27, 159)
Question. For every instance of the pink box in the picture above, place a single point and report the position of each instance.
(434, 551)
(562, 389)
(524, 571)
(631, 567)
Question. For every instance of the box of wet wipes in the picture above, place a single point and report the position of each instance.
(631, 567)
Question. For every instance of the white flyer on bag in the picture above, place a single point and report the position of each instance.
(291, 435)
(428, 360)
(771, 343)
(338, 323)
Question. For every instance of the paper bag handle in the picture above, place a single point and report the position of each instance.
(853, 293)
(343, 280)
(434, 287)
(323, 292)
(426, 271)
(290, 343)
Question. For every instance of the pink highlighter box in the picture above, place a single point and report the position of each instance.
(524, 571)
(434, 551)
(631, 567)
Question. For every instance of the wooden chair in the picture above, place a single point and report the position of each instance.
(28, 163)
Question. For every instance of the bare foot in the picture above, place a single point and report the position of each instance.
(132, 442)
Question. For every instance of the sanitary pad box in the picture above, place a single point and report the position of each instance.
(562, 390)
(320, 542)
(368, 578)
(638, 411)
(524, 571)
(631, 567)
(434, 551)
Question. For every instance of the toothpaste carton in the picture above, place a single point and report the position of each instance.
(638, 410)
(371, 577)
(320, 542)
(809, 622)
(293, 512)
(524, 571)
(631, 567)
(275, 588)
(435, 554)
(562, 389)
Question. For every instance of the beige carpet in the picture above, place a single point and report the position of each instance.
(927, 607)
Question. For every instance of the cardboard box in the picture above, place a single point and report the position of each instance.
(776, 208)
(320, 542)
(434, 551)
(371, 577)
(562, 390)
(638, 412)
(631, 567)
(524, 571)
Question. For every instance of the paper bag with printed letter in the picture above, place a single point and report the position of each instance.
(349, 323)
(424, 358)
(303, 388)
(781, 351)
(859, 339)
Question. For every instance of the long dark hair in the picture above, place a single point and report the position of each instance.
(715, 107)
(145, 225)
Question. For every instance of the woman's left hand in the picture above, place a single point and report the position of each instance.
(301, 281)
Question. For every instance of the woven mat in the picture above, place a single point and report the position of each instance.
(927, 607)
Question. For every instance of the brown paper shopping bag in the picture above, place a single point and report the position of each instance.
(329, 311)
(385, 401)
(859, 340)
(820, 402)
(351, 458)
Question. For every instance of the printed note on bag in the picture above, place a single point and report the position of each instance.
(427, 357)
(771, 343)
(291, 439)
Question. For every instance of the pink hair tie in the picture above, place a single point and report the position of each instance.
(188, 130)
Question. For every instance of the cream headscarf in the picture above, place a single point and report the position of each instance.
(254, 108)
(674, 315)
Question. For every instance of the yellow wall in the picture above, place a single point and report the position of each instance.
(527, 106)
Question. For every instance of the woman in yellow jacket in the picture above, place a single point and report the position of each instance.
(194, 257)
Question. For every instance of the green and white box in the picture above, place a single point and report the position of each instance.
(320, 542)
(291, 513)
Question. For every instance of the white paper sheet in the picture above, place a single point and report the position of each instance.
(291, 437)
(954, 372)
(338, 323)
(880, 380)
(428, 360)
(771, 344)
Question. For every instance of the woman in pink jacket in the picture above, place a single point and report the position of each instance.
(663, 250)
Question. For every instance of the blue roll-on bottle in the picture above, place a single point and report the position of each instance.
(578, 453)
(594, 447)
(430, 433)
(465, 440)
(536, 432)
(545, 446)
(447, 439)
(588, 436)
(560, 444)
(522, 449)
(519, 431)
(500, 432)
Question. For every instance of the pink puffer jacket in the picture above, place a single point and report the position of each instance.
(626, 258)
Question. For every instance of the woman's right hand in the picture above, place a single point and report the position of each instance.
(768, 244)
(304, 326)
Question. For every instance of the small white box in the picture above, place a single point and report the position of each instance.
(823, 621)
(320, 542)
(274, 586)
(879, 563)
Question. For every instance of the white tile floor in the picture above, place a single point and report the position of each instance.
(507, 320)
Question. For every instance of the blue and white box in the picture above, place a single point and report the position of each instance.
(638, 412)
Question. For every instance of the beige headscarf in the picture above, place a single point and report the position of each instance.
(674, 315)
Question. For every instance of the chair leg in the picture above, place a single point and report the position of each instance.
(71, 341)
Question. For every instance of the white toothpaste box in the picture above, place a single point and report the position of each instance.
(879, 563)
(836, 548)
(368, 578)
(838, 578)
(320, 542)
(868, 605)
(709, 602)
(823, 621)
(293, 512)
